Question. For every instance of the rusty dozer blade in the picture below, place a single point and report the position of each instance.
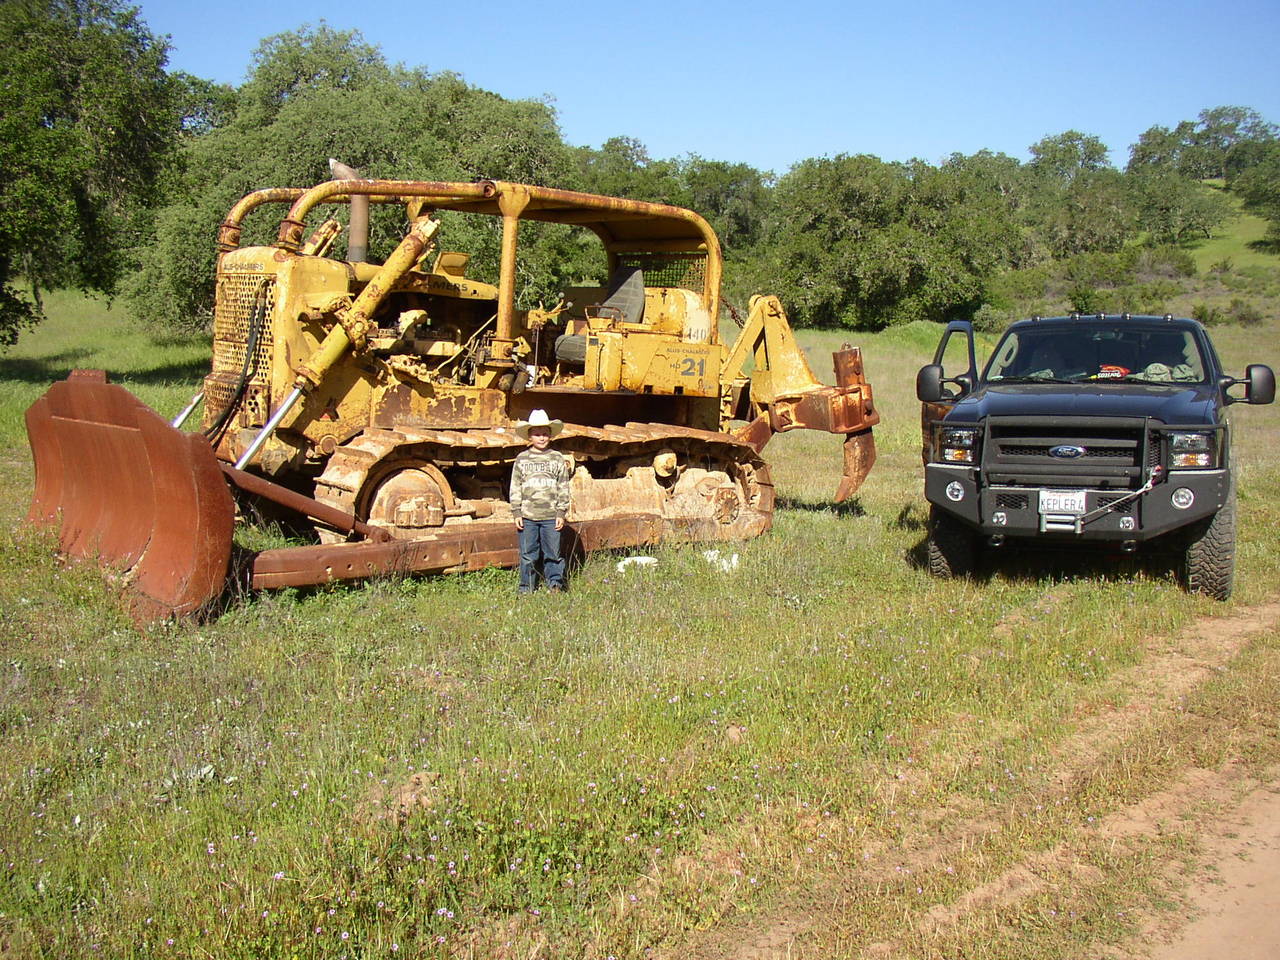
(125, 488)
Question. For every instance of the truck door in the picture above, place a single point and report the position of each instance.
(955, 355)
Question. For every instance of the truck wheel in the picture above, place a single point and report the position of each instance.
(953, 547)
(1210, 559)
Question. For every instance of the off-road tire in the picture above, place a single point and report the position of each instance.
(953, 547)
(1210, 558)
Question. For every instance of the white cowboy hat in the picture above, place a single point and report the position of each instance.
(538, 418)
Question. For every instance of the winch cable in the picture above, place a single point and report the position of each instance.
(1157, 473)
(248, 369)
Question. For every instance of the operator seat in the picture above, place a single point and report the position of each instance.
(623, 300)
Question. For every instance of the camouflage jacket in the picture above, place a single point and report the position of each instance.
(540, 485)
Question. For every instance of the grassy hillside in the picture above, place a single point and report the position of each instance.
(822, 745)
(1232, 277)
(1241, 242)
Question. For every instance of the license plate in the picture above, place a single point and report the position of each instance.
(1061, 501)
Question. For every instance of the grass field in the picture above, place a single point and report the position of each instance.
(1242, 241)
(820, 753)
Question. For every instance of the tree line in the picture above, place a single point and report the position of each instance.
(118, 171)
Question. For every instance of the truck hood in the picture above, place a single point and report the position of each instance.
(1172, 403)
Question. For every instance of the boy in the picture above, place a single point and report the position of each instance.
(540, 500)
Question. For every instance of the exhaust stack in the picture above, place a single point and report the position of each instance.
(358, 232)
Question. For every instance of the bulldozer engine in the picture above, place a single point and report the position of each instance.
(377, 401)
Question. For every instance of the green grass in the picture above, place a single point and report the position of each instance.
(164, 370)
(643, 765)
(1241, 241)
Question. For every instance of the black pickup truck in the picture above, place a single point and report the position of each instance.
(1109, 430)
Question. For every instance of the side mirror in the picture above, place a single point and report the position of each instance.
(929, 384)
(1261, 383)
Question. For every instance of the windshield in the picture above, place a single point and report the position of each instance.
(1076, 353)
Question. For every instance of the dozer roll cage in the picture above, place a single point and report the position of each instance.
(625, 227)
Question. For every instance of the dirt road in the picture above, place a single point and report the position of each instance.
(1224, 816)
(1235, 896)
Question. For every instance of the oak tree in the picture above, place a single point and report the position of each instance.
(88, 120)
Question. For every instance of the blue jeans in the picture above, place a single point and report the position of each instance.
(540, 538)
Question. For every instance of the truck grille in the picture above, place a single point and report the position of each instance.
(1110, 453)
(1017, 452)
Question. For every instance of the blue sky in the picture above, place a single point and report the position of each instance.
(772, 84)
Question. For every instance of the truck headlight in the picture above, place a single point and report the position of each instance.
(1192, 450)
(959, 445)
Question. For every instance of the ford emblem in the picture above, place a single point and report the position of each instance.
(1066, 452)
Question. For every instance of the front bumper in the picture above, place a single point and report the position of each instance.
(1013, 511)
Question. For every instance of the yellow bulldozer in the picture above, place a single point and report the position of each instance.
(378, 400)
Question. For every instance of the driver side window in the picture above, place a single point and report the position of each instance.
(955, 354)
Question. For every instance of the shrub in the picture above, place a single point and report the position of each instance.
(1084, 298)
(1206, 313)
(1244, 313)
(1100, 269)
(1260, 272)
(1152, 297)
(1164, 261)
(989, 319)
(1234, 281)
(1017, 287)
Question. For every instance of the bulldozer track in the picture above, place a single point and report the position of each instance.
(349, 468)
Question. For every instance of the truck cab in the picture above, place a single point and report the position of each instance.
(1106, 429)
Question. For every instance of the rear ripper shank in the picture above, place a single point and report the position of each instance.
(379, 400)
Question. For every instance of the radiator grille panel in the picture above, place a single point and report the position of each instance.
(218, 392)
(238, 298)
(1117, 454)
